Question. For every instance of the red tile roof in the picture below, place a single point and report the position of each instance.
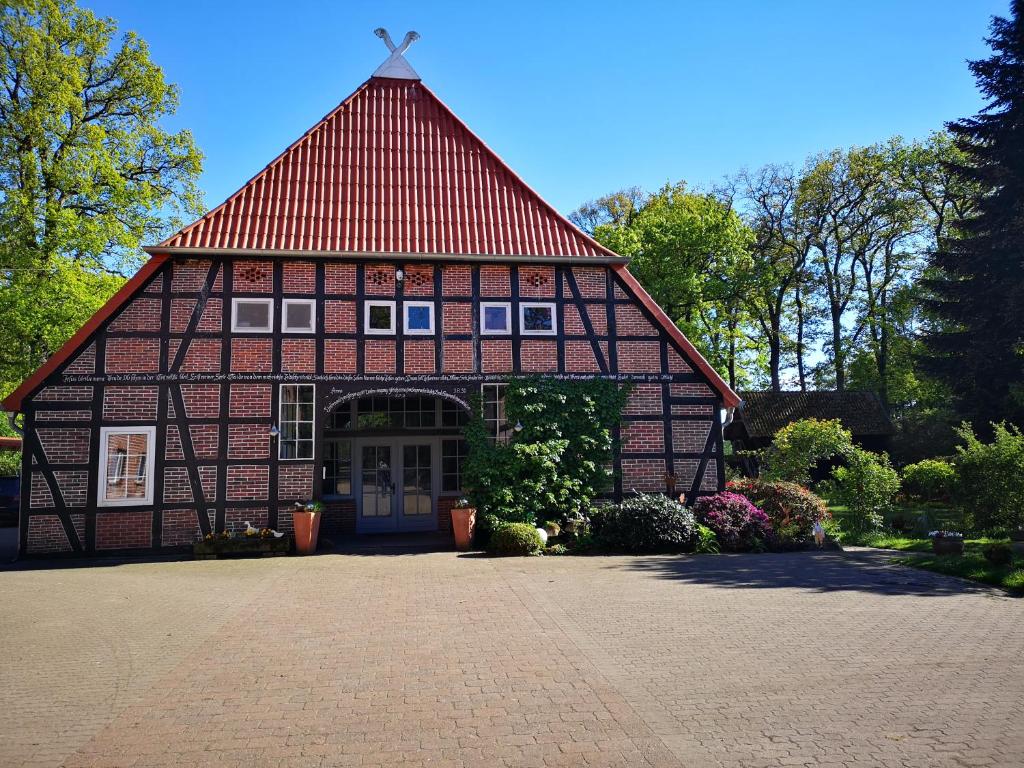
(390, 170)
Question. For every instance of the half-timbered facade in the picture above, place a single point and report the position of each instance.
(320, 334)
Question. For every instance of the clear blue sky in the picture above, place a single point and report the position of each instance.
(580, 98)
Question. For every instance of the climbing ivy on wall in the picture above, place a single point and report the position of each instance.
(558, 463)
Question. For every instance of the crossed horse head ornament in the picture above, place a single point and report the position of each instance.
(395, 65)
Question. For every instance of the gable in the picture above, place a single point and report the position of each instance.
(391, 170)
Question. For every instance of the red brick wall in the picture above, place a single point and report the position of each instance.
(124, 530)
(652, 444)
(249, 401)
(130, 403)
(127, 355)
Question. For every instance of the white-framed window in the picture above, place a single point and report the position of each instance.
(537, 318)
(493, 401)
(418, 317)
(296, 418)
(252, 315)
(495, 318)
(124, 474)
(379, 317)
(298, 315)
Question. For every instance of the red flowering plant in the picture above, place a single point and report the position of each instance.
(792, 509)
(739, 525)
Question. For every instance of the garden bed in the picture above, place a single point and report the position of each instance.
(241, 546)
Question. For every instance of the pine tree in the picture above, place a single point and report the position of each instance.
(976, 344)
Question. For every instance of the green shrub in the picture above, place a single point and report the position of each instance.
(706, 541)
(797, 448)
(557, 549)
(515, 539)
(867, 484)
(557, 463)
(998, 554)
(644, 523)
(929, 480)
(990, 487)
(10, 463)
(792, 509)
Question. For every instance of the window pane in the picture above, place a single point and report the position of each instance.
(380, 318)
(495, 318)
(299, 316)
(537, 319)
(252, 314)
(419, 318)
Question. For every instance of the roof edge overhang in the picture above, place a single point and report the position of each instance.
(382, 255)
(729, 398)
(13, 402)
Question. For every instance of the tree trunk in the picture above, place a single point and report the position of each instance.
(838, 353)
(801, 372)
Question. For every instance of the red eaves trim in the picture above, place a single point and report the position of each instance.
(10, 443)
(729, 398)
(13, 401)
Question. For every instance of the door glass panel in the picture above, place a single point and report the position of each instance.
(377, 485)
(416, 480)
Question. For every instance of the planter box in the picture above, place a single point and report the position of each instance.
(241, 546)
(946, 546)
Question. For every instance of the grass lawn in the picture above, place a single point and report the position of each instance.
(971, 565)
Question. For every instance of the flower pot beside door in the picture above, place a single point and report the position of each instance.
(463, 523)
(306, 521)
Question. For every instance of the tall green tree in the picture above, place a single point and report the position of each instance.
(977, 345)
(690, 251)
(87, 172)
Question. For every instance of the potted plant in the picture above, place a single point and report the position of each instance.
(947, 542)
(463, 523)
(1017, 542)
(306, 521)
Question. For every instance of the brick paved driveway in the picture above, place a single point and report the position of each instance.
(436, 660)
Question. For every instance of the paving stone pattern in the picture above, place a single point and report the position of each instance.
(441, 660)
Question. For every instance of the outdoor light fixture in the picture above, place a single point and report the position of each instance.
(274, 431)
(518, 427)
(399, 275)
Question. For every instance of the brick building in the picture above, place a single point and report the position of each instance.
(320, 333)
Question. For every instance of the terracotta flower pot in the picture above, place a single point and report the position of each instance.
(307, 530)
(463, 523)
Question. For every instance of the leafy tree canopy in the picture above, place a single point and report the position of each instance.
(87, 172)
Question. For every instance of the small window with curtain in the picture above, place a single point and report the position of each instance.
(298, 315)
(252, 315)
(493, 397)
(453, 454)
(338, 468)
(124, 466)
(296, 421)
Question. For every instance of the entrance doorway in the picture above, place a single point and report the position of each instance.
(393, 457)
(396, 486)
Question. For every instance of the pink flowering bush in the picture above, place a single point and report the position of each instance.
(739, 525)
(792, 509)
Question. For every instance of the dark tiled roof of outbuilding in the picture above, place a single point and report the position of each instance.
(764, 413)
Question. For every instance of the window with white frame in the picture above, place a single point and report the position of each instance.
(493, 400)
(252, 315)
(537, 319)
(124, 476)
(495, 317)
(298, 315)
(296, 421)
(419, 317)
(379, 317)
